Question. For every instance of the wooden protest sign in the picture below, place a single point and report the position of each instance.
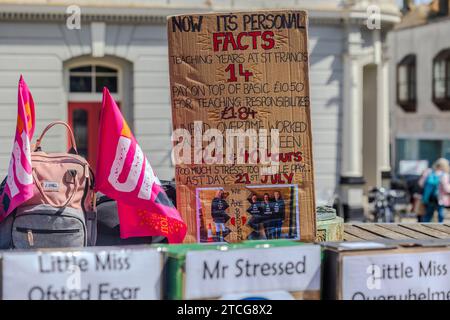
(240, 80)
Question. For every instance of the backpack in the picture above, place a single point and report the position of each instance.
(61, 213)
(431, 188)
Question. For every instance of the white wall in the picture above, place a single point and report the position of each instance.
(424, 41)
(39, 50)
(34, 50)
(326, 48)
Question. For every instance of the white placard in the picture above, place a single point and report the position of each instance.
(214, 273)
(405, 276)
(412, 167)
(88, 274)
(362, 245)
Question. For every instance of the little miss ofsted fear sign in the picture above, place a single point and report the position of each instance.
(88, 274)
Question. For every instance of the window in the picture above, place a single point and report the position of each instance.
(92, 79)
(441, 80)
(406, 83)
(421, 149)
(80, 127)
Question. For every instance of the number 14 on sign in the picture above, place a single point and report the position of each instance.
(231, 69)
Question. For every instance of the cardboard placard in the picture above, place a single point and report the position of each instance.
(242, 74)
(88, 274)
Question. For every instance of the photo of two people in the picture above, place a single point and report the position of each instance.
(266, 213)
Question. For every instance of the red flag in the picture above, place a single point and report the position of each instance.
(123, 173)
(18, 186)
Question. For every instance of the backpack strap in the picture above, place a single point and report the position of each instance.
(37, 146)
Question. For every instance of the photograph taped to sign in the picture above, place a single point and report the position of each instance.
(94, 274)
(271, 212)
(398, 276)
(240, 80)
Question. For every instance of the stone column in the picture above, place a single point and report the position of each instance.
(384, 123)
(383, 126)
(352, 119)
(351, 180)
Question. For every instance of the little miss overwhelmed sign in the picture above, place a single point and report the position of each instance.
(241, 120)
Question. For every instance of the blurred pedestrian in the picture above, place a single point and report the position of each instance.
(436, 190)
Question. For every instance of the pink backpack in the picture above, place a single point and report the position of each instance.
(62, 212)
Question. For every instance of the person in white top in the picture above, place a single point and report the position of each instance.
(436, 190)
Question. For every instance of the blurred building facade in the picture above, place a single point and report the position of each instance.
(123, 44)
(419, 50)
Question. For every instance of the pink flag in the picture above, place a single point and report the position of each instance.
(124, 174)
(19, 182)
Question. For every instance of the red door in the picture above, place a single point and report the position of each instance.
(84, 119)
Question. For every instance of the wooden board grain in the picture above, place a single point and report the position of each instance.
(382, 232)
(350, 237)
(405, 231)
(440, 227)
(423, 229)
(360, 233)
(396, 231)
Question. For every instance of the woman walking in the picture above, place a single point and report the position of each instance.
(436, 190)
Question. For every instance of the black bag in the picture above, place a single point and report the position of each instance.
(171, 191)
(108, 227)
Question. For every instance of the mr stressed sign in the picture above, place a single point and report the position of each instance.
(242, 79)
(215, 273)
(82, 275)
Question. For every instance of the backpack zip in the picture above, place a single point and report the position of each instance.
(45, 231)
(51, 215)
(30, 236)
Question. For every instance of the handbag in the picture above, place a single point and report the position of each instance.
(418, 206)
